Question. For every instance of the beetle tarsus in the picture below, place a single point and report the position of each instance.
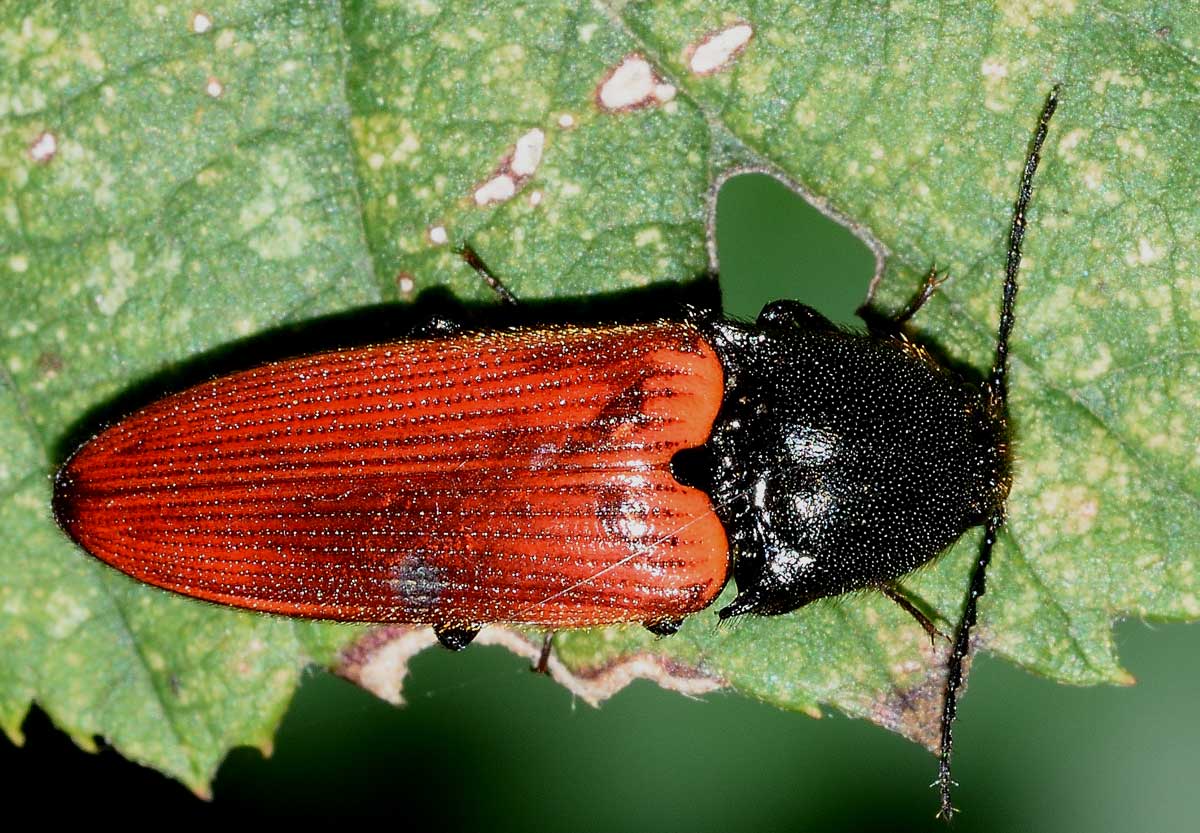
(455, 638)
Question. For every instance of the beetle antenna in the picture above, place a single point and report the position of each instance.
(997, 390)
(962, 647)
(998, 380)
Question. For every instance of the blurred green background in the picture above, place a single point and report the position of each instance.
(485, 744)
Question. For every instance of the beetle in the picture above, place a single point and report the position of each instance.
(567, 476)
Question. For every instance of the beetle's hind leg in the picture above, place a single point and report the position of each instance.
(489, 277)
(898, 595)
(542, 664)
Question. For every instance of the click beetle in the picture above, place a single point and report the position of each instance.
(566, 476)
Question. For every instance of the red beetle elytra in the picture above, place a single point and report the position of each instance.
(518, 476)
(565, 476)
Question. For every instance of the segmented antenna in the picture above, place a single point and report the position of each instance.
(998, 380)
(997, 389)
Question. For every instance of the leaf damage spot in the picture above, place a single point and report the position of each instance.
(49, 363)
(200, 23)
(632, 85)
(1146, 254)
(528, 154)
(438, 236)
(379, 663)
(1100, 365)
(113, 280)
(595, 685)
(648, 236)
(405, 285)
(1073, 508)
(515, 169)
(915, 711)
(1070, 141)
(499, 188)
(994, 69)
(43, 148)
(213, 87)
(535, 198)
(275, 221)
(1022, 15)
(566, 121)
(717, 51)
(379, 660)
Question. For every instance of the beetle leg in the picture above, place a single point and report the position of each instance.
(454, 638)
(882, 324)
(542, 666)
(932, 281)
(897, 594)
(476, 262)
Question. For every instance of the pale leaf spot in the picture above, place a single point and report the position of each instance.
(514, 170)
(497, 189)
(44, 147)
(718, 50)
(528, 154)
(405, 285)
(994, 69)
(631, 85)
(1146, 254)
(201, 22)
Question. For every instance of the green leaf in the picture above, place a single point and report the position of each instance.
(173, 180)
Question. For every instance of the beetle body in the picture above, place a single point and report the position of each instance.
(526, 477)
(566, 476)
